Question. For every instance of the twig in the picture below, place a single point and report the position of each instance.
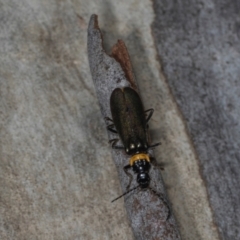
(148, 214)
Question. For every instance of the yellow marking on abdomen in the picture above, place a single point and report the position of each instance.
(140, 156)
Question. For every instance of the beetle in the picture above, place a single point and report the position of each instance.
(130, 122)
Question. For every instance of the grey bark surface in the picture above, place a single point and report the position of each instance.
(147, 213)
(198, 44)
(57, 176)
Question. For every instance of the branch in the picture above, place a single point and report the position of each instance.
(147, 212)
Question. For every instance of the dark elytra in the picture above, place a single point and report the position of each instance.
(129, 119)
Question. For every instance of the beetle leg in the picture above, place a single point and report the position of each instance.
(110, 128)
(151, 110)
(126, 168)
(108, 119)
(114, 143)
(156, 164)
(155, 145)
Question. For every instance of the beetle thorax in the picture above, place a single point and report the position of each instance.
(141, 167)
(135, 146)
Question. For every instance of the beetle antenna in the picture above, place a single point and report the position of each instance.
(125, 193)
